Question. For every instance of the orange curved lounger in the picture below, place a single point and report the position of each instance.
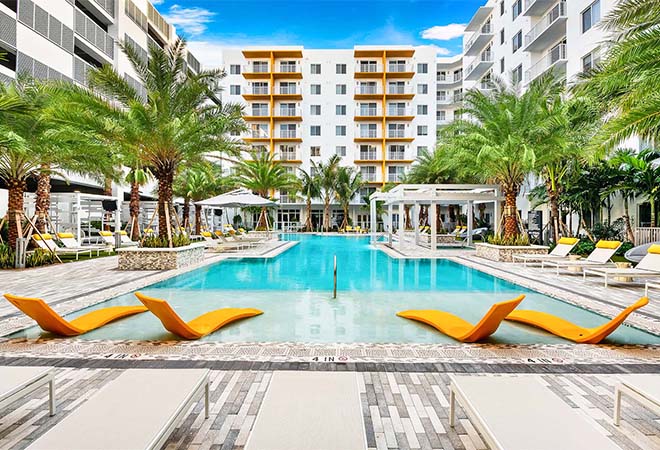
(198, 327)
(567, 330)
(460, 329)
(49, 320)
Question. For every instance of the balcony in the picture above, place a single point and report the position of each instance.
(368, 135)
(288, 136)
(374, 70)
(555, 61)
(480, 66)
(81, 70)
(397, 113)
(368, 92)
(288, 156)
(399, 93)
(448, 80)
(257, 114)
(286, 70)
(396, 155)
(478, 18)
(257, 135)
(369, 177)
(256, 71)
(395, 177)
(364, 113)
(548, 30)
(287, 92)
(257, 93)
(288, 114)
(369, 155)
(95, 35)
(479, 40)
(536, 7)
(399, 70)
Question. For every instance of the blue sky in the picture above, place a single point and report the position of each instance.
(212, 24)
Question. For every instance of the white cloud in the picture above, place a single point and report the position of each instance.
(439, 51)
(444, 32)
(157, 2)
(191, 21)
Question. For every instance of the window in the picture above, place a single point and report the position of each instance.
(441, 75)
(315, 69)
(396, 152)
(340, 68)
(502, 8)
(421, 149)
(395, 173)
(422, 88)
(517, 41)
(315, 150)
(591, 16)
(235, 69)
(340, 89)
(502, 36)
(315, 130)
(502, 65)
(288, 109)
(315, 89)
(422, 68)
(422, 110)
(368, 130)
(441, 115)
(422, 130)
(340, 130)
(396, 130)
(287, 130)
(516, 75)
(340, 110)
(235, 89)
(315, 110)
(516, 9)
(287, 87)
(260, 66)
(441, 96)
(590, 60)
(340, 150)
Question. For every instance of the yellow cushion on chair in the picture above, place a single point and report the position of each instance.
(612, 245)
(567, 241)
(65, 235)
(46, 237)
(655, 249)
(123, 233)
(206, 233)
(105, 233)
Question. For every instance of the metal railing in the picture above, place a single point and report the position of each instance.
(556, 54)
(394, 177)
(368, 68)
(398, 155)
(399, 90)
(288, 112)
(398, 112)
(256, 68)
(557, 12)
(396, 133)
(368, 90)
(367, 112)
(259, 133)
(81, 70)
(368, 176)
(260, 90)
(287, 134)
(288, 68)
(368, 155)
(287, 89)
(399, 67)
(94, 34)
(106, 5)
(288, 156)
(486, 29)
(259, 112)
(486, 57)
(368, 133)
(646, 235)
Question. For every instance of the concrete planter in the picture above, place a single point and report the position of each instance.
(160, 258)
(505, 253)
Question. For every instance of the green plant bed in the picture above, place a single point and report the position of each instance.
(178, 240)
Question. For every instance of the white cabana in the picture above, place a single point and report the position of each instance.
(238, 198)
(434, 196)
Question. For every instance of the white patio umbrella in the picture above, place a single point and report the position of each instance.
(237, 198)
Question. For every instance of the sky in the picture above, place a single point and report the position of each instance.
(209, 25)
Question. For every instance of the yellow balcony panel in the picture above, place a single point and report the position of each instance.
(289, 161)
(287, 75)
(256, 75)
(280, 118)
(406, 75)
(368, 75)
(368, 161)
(287, 139)
(368, 139)
(368, 53)
(361, 96)
(399, 96)
(399, 139)
(253, 97)
(404, 118)
(256, 54)
(249, 118)
(400, 53)
(399, 161)
(256, 139)
(360, 118)
(287, 54)
(287, 97)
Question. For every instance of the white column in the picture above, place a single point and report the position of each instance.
(434, 226)
(373, 219)
(402, 224)
(389, 223)
(78, 218)
(415, 221)
(496, 217)
(470, 219)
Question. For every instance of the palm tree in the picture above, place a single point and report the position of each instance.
(179, 123)
(626, 81)
(263, 175)
(136, 178)
(309, 187)
(348, 184)
(642, 176)
(327, 175)
(499, 139)
(199, 183)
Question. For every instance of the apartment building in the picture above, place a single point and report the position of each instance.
(373, 106)
(63, 39)
(449, 88)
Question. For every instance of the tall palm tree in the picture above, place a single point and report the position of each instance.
(263, 174)
(642, 176)
(626, 81)
(348, 184)
(179, 123)
(199, 183)
(136, 178)
(327, 175)
(310, 188)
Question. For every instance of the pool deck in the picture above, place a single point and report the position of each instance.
(403, 387)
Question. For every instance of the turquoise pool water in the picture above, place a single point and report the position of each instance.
(295, 292)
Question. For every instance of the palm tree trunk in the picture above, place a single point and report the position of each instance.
(134, 208)
(553, 199)
(308, 221)
(326, 214)
(42, 202)
(344, 223)
(262, 223)
(165, 180)
(107, 191)
(626, 219)
(406, 212)
(652, 202)
(510, 216)
(14, 209)
(198, 219)
(186, 213)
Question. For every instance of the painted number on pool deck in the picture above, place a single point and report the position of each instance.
(333, 359)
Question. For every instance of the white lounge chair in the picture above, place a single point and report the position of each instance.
(69, 241)
(109, 238)
(137, 410)
(561, 250)
(45, 242)
(643, 388)
(599, 257)
(650, 285)
(18, 382)
(520, 413)
(648, 267)
(126, 240)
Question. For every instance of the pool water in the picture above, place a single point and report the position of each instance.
(294, 290)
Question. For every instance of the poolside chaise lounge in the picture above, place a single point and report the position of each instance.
(599, 257)
(45, 242)
(460, 329)
(567, 330)
(643, 388)
(50, 321)
(18, 382)
(561, 250)
(138, 410)
(109, 238)
(648, 267)
(70, 242)
(199, 327)
(520, 413)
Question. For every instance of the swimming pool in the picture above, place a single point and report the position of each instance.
(294, 290)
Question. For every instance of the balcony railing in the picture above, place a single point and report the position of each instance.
(368, 155)
(259, 90)
(287, 90)
(369, 133)
(458, 98)
(258, 133)
(398, 67)
(398, 155)
(81, 70)
(486, 57)
(554, 56)
(368, 176)
(367, 112)
(94, 34)
(398, 112)
(368, 90)
(486, 29)
(288, 112)
(394, 177)
(399, 90)
(396, 133)
(288, 156)
(107, 5)
(256, 68)
(288, 68)
(259, 112)
(557, 12)
(287, 134)
(369, 68)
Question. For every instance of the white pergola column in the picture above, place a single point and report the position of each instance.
(78, 218)
(434, 226)
(496, 217)
(470, 219)
(415, 221)
(389, 223)
(373, 218)
(402, 223)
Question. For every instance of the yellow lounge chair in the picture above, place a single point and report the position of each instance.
(460, 329)
(199, 327)
(49, 320)
(567, 330)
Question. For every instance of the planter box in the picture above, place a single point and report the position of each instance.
(505, 253)
(160, 258)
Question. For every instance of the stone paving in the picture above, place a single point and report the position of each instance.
(400, 410)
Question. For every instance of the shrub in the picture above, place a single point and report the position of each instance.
(38, 258)
(6, 257)
(178, 240)
(520, 240)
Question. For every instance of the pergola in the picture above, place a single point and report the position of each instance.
(433, 196)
